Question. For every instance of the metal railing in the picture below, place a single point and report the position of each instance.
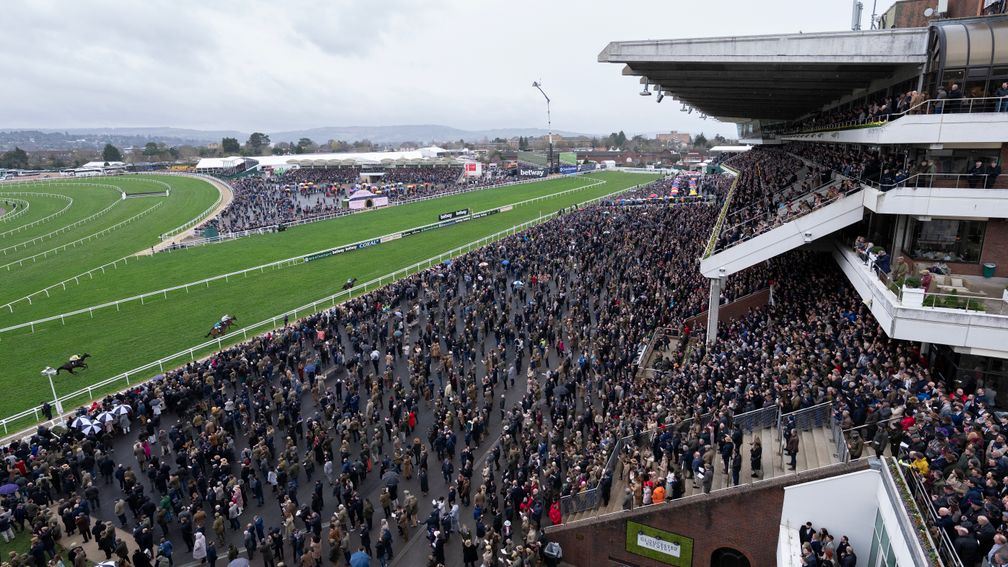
(922, 508)
(716, 231)
(45, 254)
(648, 348)
(776, 219)
(969, 300)
(62, 229)
(29, 417)
(22, 208)
(757, 419)
(277, 264)
(930, 106)
(840, 448)
(804, 419)
(931, 181)
(200, 217)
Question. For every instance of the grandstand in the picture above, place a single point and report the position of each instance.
(882, 347)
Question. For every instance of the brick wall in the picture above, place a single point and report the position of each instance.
(746, 519)
(995, 249)
(910, 13)
(733, 310)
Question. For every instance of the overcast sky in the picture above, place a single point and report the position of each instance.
(275, 66)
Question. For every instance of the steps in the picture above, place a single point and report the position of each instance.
(815, 450)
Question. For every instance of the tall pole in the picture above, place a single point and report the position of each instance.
(49, 372)
(549, 123)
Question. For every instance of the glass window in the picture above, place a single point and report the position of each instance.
(956, 45)
(943, 240)
(955, 76)
(980, 44)
(873, 559)
(1000, 28)
(890, 557)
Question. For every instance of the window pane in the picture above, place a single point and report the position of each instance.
(979, 44)
(948, 240)
(873, 559)
(955, 76)
(956, 49)
(1000, 28)
(890, 558)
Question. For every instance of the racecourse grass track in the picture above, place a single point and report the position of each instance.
(189, 197)
(140, 333)
(150, 273)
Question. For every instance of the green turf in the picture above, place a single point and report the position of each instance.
(188, 198)
(146, 274)
(39, 207)
(138, 334)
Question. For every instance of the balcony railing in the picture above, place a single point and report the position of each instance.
(930, 106)
(976, 301)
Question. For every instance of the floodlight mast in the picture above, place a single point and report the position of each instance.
(549, 123)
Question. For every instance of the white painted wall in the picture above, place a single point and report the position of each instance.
(985, 333)
(844, 505)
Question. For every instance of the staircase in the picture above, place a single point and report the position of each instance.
(816, 448)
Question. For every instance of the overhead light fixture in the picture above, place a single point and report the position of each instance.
(645, 91)
(660, 96)
(683, 108)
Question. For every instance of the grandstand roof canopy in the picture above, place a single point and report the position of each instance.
(422, 155)
(428, 155)
(776, 77)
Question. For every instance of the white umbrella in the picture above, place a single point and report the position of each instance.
(81, 421)
(122, 409)
(105, 417)
(92, 428)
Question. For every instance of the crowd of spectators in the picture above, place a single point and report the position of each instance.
(301, 194)
(350, 394)
(820, 548)
(523, 349)
(882, 107)
(259, 202)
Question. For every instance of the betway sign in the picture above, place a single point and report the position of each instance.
(532, 173)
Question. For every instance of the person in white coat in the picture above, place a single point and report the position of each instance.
(199, 551)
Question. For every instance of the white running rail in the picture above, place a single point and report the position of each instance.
(54, 251)
(278, 264)
(142, 373)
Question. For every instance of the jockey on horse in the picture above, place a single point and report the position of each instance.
(221, 327)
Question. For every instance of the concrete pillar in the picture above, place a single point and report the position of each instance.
(712, 310)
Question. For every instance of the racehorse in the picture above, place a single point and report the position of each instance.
(222, 327)
(349, 283)
(76, 361)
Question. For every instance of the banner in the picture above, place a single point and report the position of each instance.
(453, 214)
(587, 167)
(667, 547)
(341, 249)
(568, 169)
(532, 172)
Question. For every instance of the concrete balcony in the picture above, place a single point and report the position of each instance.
(967, 330)
(821, 222)
(974, 129)
(945, 202)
